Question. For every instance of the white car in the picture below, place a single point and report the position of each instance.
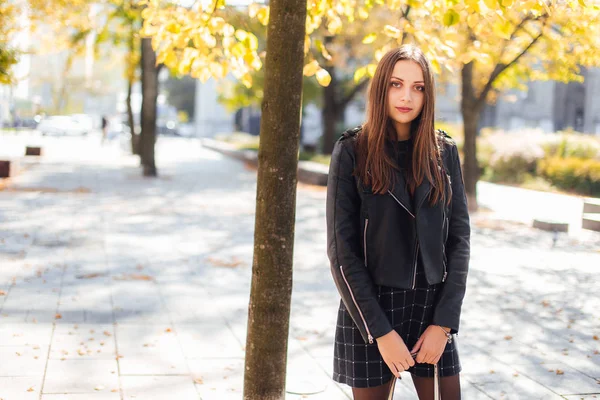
(61, 125)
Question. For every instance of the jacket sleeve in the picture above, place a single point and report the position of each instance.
(449, 303)
(349, 272)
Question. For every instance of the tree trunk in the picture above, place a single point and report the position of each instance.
(332, 113)
(271, 290)
(135, 140)
(471, 110)
(148, 114)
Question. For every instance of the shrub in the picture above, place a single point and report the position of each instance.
(510, 158)
(567, 145)
(576, 174)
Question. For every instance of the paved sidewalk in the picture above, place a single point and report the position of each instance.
(113, 286)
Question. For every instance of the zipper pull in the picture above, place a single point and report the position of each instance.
(445, 276)
(370, 339)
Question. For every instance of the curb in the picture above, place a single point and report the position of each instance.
(308, 171)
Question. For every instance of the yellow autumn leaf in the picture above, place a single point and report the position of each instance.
(263, 16)
(241, 35)
(306, 44)
(253, 9)
(238, 50)
(173, 27)
(311, 68)
(247, 80)
(370, 38)
(323, 77)
(491, 4)
(359, 74)
(507, 3)
(217, 23)
(371, 68)
(363, 13)
(392, 31)
(435, 65)
(228, 30)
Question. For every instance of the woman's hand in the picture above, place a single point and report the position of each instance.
(395, 353)
(431, 345)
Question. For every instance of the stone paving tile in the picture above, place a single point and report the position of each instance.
(83, 342)
(81, 376)
(159, 388)
(86, 396)
(20, 388)
(208, 341)
(149, 350)
(23, 334)
(561, 378)
(23, 360)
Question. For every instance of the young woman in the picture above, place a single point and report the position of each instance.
(398, 238)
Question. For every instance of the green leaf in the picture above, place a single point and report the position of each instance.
(451, 17)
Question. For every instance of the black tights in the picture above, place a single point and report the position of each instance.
(449, 389)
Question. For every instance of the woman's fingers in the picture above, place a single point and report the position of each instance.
(396, 369)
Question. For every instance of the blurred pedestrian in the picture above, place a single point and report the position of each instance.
(104, 128)
(398, 238)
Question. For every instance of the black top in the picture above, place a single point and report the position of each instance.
(401, 151)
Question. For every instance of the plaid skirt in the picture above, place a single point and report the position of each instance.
(360, 365)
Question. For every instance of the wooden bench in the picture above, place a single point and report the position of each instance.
(33, 151)
(5, 169)
(591, 206)
(591, 221)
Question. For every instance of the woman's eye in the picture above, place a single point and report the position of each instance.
(396, 84)
(421, 88)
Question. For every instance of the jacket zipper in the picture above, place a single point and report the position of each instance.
(365, 240)
(444, 249)
(399, 202)
(415, 265)
(417, 249)
(357, 307)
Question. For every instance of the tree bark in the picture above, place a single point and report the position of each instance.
(332, 113)
(471, 109)
(271, 288)
(135, 140)
(148, 114)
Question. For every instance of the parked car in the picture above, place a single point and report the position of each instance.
(62, 125)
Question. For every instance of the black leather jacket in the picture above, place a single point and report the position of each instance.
(376, 239)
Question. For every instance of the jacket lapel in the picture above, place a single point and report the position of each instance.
(400, 192)
(421, 194)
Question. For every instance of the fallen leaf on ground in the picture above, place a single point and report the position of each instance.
(199, 381)
(134, 277)
(546, 303)
(596, 337)
(58, 316)
(90, 276)
(2, 293)
(508, 337)
(99, 387)
(559, 372)
(31, 389)
(168, 330)
(235, 262)
(107, 333)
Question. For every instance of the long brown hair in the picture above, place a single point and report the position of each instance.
(378, 127)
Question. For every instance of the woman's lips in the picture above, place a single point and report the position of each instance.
(404, 109)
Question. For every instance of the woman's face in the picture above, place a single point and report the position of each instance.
(406, 93)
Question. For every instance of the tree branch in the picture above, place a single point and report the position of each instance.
(500, 67)
(348, 98)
